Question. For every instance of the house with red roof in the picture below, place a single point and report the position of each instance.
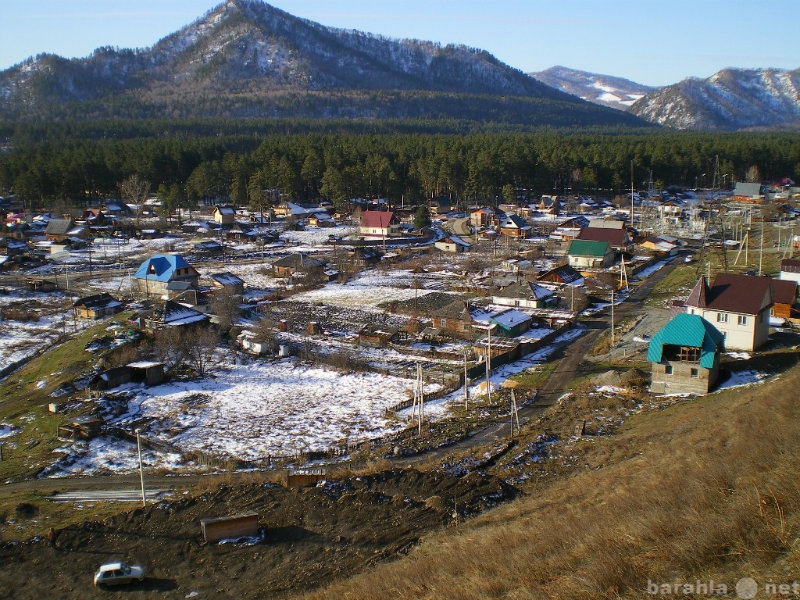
(379, 224)
(738, 305)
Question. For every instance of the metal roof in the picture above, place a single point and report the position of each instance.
(588, 248)
(692, 331)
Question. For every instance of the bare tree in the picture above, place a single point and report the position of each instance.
(134, 190)
(226, 305)
(202, 349)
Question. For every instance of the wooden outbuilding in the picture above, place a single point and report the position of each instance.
(227, 528)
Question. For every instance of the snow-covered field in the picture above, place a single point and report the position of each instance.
(22, 339)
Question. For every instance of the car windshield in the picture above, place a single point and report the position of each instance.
(125, 569)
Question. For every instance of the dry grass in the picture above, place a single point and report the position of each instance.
(702, 490)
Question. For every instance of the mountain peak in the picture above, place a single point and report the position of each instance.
(731, 99)
(247, 58)
(607, 90)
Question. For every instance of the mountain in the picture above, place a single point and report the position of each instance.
(245, 58)
(732, 99)
(607, 90)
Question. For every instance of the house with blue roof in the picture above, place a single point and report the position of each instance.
(685, 356)
(155, 275)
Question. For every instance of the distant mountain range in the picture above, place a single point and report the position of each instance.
(731, 100)
(607, 90)
(245, 58)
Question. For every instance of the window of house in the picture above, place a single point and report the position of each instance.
(722, 317)
(668, 370)
(694, 372)
(741, 320)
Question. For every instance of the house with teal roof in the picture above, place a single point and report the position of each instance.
(685, 356)
(155, 275)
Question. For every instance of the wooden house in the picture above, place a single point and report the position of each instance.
(784, 298)
(482, 217)
(227, 282)
(224, 215)
(511, 322)
(97, 306)
(298, 262)
(748, 192)
(685, 356)
(563, 275)
(514, 226)
(454, 318)
(618, 239)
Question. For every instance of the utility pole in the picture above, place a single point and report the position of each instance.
(488, 329)
(466, 383)
(761, 246)
(514, 413)
(417, 408)
(612, 316)
(141, 470)
(632, 210)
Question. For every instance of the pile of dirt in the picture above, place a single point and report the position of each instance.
(311, 536)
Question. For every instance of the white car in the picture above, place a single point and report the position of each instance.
(118, 573)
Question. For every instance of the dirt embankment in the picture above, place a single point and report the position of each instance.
(312, 536)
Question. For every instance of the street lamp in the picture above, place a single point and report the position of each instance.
(488, 329)
(141, 470)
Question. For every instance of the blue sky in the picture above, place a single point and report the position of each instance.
(654, 42)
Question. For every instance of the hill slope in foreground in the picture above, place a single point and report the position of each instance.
(704, 491)
(684, 494)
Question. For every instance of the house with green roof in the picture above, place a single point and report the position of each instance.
(685, 355)
(590, 254)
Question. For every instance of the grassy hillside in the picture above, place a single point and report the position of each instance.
(703, 490)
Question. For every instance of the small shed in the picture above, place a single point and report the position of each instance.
(81, 428)
(226, 528)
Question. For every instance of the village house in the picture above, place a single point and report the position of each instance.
(154, 275)
(549, 204)
(60, 230)
(224, 215)
(617, 238)
(453, 244)
(525, 295)
(511, 322)
(172, 315)
(97, 306)
(748, 192)
(790, 270)
(514, 226)
(482, 217)
(589, 254)
(227, 282)
(297, 263)
(379, 224)
(737, 305)
(454, 318)
(784, 298)
(440, 206)
(685, 356)
(563, 275)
